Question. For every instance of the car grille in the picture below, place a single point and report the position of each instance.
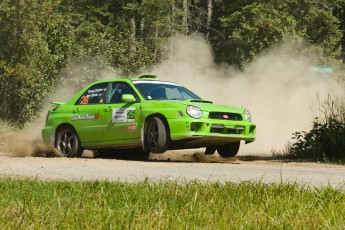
(225, 116)
(223, 130)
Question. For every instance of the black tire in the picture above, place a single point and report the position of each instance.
(229, 150)
(156, 138)
(210, 150)
(67, 142)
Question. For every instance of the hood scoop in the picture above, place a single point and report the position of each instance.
(201, 101)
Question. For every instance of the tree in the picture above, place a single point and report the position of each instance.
(251, 26)
(257, 26)
(27, 66)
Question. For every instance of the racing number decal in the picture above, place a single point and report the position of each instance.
(84, 100)
(131, 114)
(123, 115)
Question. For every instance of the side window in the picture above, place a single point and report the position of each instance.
(96, 94)
(117, 90)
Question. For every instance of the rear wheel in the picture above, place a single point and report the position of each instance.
(67, 142)
(229, 150)
(156, 136)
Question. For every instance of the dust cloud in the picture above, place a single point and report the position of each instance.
(27, 142)
(278, 89)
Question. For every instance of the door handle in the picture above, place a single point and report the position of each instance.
(76, 110)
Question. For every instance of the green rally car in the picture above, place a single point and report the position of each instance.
(143, 115)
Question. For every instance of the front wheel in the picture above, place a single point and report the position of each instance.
(67, 142)
(229, 150)
(156, 136)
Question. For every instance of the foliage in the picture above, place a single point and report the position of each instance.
(251, 26)
(326, 139)
(255, 28)
(27, 65)
(167, 205)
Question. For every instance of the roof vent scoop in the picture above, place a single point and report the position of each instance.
(152, 76)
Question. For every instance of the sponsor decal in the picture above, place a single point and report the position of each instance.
(85, 117)
(97, 116)
(95, 91)
(123, 115)
(132, 127)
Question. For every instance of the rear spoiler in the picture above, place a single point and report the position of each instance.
(57, 103)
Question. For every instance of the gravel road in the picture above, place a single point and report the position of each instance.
(180, 166)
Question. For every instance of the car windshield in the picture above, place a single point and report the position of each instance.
(159, 90)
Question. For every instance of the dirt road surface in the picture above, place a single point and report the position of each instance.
(181, 166)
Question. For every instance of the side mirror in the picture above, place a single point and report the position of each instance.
(128, 98)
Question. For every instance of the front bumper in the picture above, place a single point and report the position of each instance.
(204, 132)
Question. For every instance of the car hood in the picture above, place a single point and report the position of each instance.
(208, 106)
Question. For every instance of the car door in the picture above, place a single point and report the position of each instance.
(88, 114)
(122, 120)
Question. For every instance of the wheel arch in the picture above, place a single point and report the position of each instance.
(67, 140)
(162, 117)
(63, 125)
(146, 125)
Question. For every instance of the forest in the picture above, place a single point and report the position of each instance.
(41, 39)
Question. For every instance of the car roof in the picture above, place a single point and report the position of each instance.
(142, 79)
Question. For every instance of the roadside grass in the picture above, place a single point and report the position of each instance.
(33, 204)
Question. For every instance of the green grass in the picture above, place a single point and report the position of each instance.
(32, 204)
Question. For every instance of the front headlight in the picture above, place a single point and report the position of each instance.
(247, 115)
(194, 112)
